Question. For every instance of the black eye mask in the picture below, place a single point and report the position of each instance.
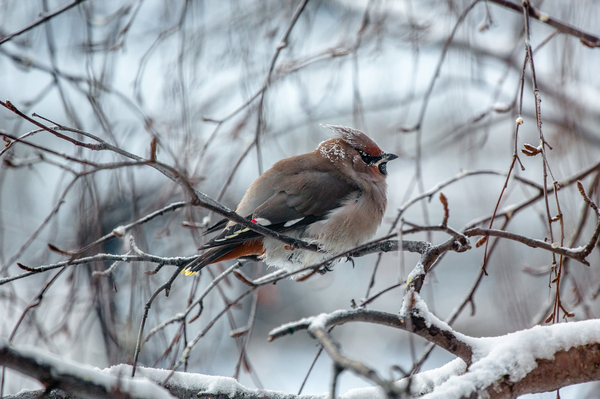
(368, 159)
(373, 160)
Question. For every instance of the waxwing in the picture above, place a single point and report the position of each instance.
(334, 197)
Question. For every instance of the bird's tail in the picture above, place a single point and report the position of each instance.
(224, 252)
(209, 256)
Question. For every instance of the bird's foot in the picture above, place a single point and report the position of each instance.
(349, 259)
(324, 269)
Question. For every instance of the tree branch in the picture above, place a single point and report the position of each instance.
(429, 328)
(80, 380)
(40, 21)
(577, 254)
(586, 38)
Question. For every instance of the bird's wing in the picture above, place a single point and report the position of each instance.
(217, 226)
(308, 198)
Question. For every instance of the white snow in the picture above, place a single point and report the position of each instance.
(119, 231)
(320, 321)
(419, 384)
(137, 388)
(494, 358)
(197, 382)
(514, 355)
(416, 271)
(332, 151)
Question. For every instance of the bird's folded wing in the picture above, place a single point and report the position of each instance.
(217, 226)
(308, 199)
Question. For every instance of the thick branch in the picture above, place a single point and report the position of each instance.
(80, 380)
(436, 331)
(417, 275)
(540, 359)
(574, 366)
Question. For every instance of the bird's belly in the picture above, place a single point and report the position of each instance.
(345, 228)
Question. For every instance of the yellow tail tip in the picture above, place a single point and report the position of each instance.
(187, 272)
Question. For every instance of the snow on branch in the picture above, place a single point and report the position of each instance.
(78, 379)
(540, 359)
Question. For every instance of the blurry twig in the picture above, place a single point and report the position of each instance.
(586, 38)
(45, 18)
(125, 29)
(283, 43)
(165, 287)
(196, 302)
(245, 333)
(198, 198)
(430, 193)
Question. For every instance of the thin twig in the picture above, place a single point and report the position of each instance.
(586, 38)
(45, 18)
(165, 287)
(577, 254)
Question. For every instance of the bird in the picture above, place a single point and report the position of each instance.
(334, 197)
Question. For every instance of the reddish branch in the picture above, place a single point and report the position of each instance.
(578, 254)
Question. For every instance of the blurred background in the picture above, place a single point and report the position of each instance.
(436, 82)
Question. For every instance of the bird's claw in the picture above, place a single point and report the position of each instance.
(325, 269)
(349, 259)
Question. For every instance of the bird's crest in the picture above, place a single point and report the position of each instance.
(356, 139)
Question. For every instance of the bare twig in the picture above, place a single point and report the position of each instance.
(197, 302)
(578, 254)
(45, 18)
(586, 38)
(165, 287)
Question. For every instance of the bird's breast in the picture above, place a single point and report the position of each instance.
(349, 225)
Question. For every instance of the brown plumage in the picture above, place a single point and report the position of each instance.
(334, 196)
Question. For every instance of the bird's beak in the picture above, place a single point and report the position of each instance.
(383, 160)
(385, 157)
(389, 157)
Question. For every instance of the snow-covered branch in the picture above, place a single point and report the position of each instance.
(77, 379)
(540, 359)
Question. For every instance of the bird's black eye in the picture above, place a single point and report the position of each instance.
(373, 160)
(368, 159)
